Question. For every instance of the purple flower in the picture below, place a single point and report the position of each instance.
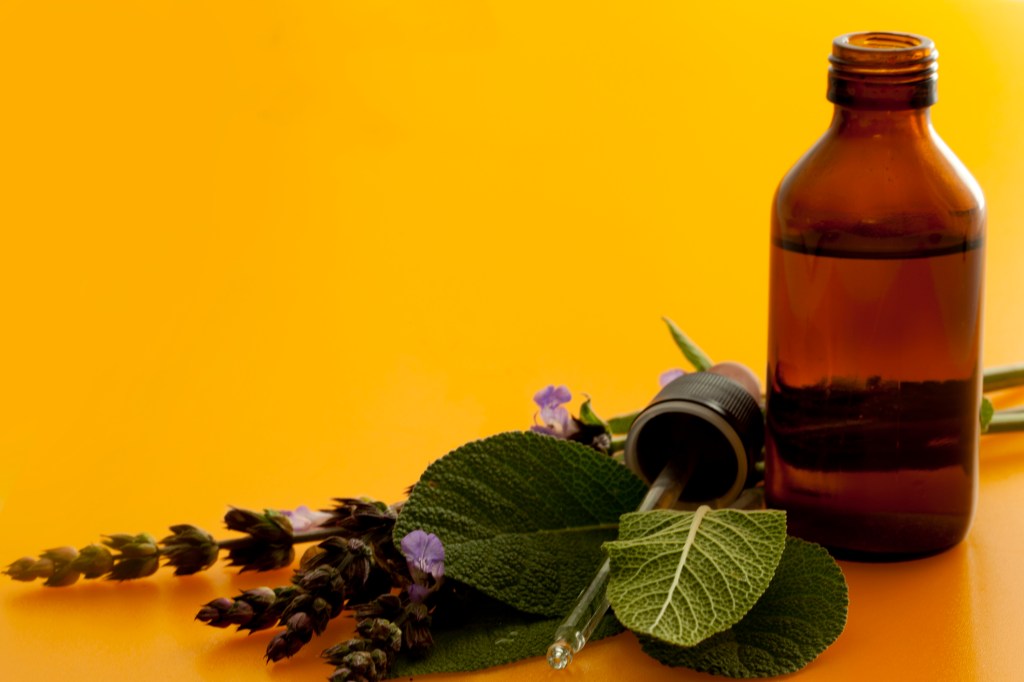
(668, 376)
(304, 518)
(424, 553)
(418, 593)
(554, 419)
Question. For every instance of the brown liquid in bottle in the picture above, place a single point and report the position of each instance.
(875, 317)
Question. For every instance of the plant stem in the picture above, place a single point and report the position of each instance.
(1007, 421)
(998, 378)
(620, 423)
(297, 538)
(618, 444)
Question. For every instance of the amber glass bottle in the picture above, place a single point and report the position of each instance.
(874, 379)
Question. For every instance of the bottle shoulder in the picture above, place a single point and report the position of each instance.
(910, 190)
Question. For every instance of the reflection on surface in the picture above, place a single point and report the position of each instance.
(917, 618)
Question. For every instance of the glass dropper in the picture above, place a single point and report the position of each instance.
(592, 604)
(700, 426)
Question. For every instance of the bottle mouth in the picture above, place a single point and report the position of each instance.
(882, 56)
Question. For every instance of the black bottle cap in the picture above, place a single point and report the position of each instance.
(711, 426)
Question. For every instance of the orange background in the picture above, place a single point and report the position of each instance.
(264, 254)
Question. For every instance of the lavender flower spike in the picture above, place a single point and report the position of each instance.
(554, 418)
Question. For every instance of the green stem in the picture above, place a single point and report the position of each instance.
(620, 423)
(1005, 422)
(998, 378)
(618, 444)
(298, 538)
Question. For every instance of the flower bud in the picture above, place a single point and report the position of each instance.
(132, 568)
(214, 612)
(190, 549)
(282, 646)
(270, 526)
(63, 577)
(270, 614)
(42, 568)
(319, 614)
(240, 613)
(133, 546)
(383, 633)
(59, 570)
(260, 597)
(286, 592)
(317, 579)
(93, 561)
(118, 540)
(240, 519)
(380, 660)
(416, 629)
(139, 550)
(300, 603)
(311, 558)
(288, 643)
(361, 664)
(301, 625)
(361, 515)
(336, 653)
(360, 562)
(22, 569)
(61, 555)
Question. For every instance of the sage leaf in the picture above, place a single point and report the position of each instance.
(698, 358)
(684, 576)
(800, 614)
(522, 516)
(987, 411)
(486, 633)
(589, 417)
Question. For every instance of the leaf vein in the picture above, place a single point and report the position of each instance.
(698, 516)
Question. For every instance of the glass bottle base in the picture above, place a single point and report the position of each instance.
(878, 537)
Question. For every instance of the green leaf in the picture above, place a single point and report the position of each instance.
(486, 633)
(698, 358)
(986, 413)
(588, 416)
(522, 516)
(800, 614)
(683, 576)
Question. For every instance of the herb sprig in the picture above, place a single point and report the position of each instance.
(387, 566)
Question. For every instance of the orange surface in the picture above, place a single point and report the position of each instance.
(264, 254)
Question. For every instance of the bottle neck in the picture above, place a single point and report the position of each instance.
(853, 122)
(883, 72)
(866, 92)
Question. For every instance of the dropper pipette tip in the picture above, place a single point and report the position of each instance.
(559, 655)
